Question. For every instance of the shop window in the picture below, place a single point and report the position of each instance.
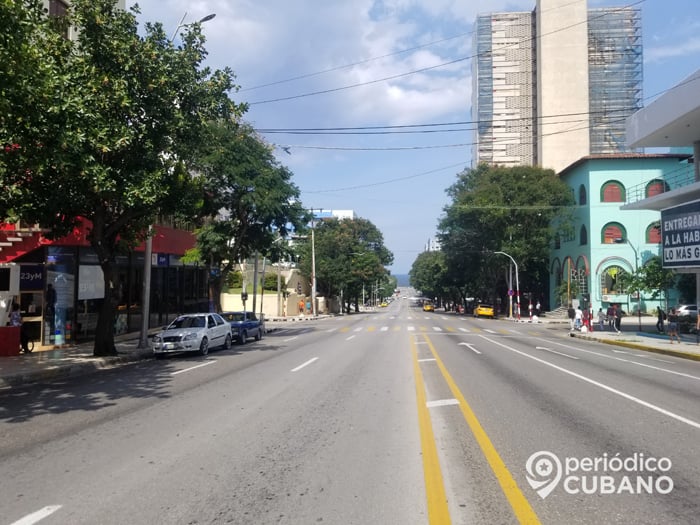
(612, 192)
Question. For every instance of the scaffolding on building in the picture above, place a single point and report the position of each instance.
(615, 75)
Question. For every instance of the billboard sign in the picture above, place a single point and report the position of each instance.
(680, 234)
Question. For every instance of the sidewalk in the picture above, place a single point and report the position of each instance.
(648, 339)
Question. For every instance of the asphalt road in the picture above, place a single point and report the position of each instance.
(397, 417)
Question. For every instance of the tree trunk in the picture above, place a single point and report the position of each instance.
(215, 284)
(104, 332)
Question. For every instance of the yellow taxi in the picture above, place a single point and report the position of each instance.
(484, 310)
(428, 307)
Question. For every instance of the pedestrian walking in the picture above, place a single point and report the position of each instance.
(601, 319)
(617, 318)
(571, 313)
(660, 318)
(578, 318)
(673, 326)
(610, 316)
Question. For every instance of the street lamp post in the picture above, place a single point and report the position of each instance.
(517, 280)
(639, 292)
(636, 271)
(313, 270)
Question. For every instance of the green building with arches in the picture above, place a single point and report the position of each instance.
(605, 241)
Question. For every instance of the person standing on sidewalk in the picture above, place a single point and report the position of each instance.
(578, 315)
(16, 321)
(601, 319)
(571, 313)
(673, 326)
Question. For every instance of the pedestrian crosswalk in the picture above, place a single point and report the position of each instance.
(435, 329)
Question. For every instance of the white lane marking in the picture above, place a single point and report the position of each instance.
(490, 331)
(554, 352)
(351, 337)
(290, 339)
(304, 364)
(443, 318)
(383, 328)
(427, 360)
(464, 330)
(331, 330)
(442, 403)
(437, 328)
(652, 358)
(358, 329)
(409, 318)
(37, 516)
(206, 363)
(411, 328)
(471, 347)
(628, 361)
(593, 382)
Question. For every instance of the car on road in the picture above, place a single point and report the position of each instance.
(428, 307)
(193, 333)
(687, 310)
(484, 310)
(244, 325)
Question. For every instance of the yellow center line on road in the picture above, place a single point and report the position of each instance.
(438, 512)
(518, 502)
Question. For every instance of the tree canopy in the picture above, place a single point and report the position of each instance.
(501, 209)
(103, 128)
(350, 257)
(251, 202)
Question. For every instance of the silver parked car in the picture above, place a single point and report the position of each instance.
(193, 333)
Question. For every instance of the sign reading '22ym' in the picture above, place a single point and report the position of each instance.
(680, 232)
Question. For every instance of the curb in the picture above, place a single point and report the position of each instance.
(639, 346)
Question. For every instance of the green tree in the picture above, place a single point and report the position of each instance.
(502, 209)
(428, 274)
(651, 278)
(251, 202)
(350, 257)
(108, 140)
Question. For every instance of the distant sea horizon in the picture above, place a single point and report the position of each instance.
(402, 279)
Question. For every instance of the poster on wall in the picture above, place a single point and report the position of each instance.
(680, 235)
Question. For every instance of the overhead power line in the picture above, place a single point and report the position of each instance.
(431, 68)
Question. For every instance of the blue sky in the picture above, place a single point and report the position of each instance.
(306, 64)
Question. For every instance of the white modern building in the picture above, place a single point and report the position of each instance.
(555, 84)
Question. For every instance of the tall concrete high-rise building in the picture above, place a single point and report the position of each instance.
(556, 84)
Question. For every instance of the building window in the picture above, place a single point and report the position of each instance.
(612, 192)
(582, 196)
(583, 236)
(613, 233)
(58, 9)
(611, 281)
(654, 233)
(656, 187)
(557, 241)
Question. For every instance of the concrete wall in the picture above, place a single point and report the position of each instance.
(562, 82)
